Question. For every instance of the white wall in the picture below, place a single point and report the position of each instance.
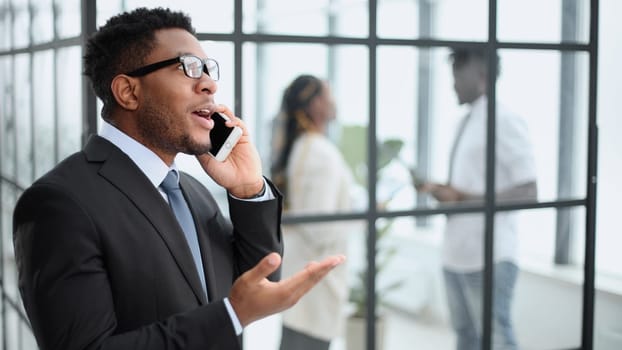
(548, 313)
(547, 304)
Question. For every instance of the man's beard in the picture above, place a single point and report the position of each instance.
(157, 129)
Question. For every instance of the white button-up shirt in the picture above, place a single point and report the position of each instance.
(515, 165)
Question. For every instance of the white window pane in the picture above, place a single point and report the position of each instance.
(21, 23)
(69, 92)
(462, 20)
(5, 25)
(107, 9)
(7, 117)
(398, 19)
(544, 19)
(44, 113)
(23, 119)
(608, 237)
(535, 76)
(317, 18)
(68, 20)
(208, 16)
(43, 21)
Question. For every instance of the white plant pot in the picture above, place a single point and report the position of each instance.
(356, 337)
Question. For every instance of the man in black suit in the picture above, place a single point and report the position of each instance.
(103, 262)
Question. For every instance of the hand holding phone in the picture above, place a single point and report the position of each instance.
(222, 137)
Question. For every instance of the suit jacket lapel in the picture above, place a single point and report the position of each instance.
(119, 169)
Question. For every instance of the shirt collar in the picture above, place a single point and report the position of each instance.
(147, 161)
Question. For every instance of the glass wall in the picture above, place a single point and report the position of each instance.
(40, 121)
(388, 65)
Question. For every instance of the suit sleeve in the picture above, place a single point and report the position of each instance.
(256, 230)
(67, 294)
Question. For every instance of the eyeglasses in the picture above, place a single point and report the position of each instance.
(193, 67)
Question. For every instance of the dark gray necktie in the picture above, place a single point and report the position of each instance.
(176, 200)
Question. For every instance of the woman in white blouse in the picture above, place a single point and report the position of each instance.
(315, 179)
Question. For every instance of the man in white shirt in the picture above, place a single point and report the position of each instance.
(463, 247)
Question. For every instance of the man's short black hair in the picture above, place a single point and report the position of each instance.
(122, 45)
(463, 55)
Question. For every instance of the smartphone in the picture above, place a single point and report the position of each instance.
(222, 137)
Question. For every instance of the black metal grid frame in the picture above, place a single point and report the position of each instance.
(238, 38)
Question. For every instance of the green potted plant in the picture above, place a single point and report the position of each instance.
(384, 255)
(356, 325)
(353, 146)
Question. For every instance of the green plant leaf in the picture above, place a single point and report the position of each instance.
(387, 151)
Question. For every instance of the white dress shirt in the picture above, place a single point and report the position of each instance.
(515, 165)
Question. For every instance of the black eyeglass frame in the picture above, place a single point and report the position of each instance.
(142, 71)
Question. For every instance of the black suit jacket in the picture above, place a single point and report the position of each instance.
(103, 263)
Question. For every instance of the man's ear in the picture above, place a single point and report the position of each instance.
(125, 90)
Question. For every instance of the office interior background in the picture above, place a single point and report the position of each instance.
(387, 63)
